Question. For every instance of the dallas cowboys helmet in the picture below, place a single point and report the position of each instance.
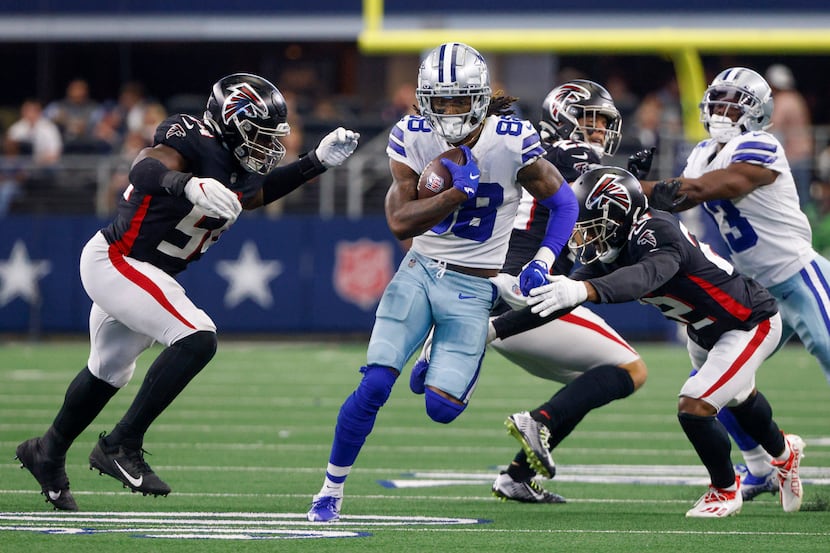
(570, 101)
(454, 70)
(249, 113)
(610, 201)
(738, 93)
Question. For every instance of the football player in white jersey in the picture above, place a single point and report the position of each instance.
(742, 179)
(459, 241)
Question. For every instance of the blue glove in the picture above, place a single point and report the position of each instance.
(533, 275)
(464, 177)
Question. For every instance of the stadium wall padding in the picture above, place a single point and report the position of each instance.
(295, 274)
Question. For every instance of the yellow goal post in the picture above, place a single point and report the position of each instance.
(683, 45)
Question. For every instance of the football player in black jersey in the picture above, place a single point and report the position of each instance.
(580, 125)
(630, 252)
(184, 192)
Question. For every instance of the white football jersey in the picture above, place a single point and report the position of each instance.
(768, 235)
(478, 232)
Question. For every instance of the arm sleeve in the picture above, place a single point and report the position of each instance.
(151, 176)
(635, 281)
(513, 322)
(284, 180)
(563, 212)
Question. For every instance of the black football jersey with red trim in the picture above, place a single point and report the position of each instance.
(664, 265)
(169, 231)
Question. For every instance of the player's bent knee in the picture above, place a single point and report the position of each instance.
(376, 384)
(638, 372)
(441, 409)
(202, 343)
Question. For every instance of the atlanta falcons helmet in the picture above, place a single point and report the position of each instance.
(454, 70)
(610, 201)
(738, 100)
(566, 104)
(249, 113)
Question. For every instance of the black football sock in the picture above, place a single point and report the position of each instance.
(711, 441)
(172, 370)
(519, 470)
(85, 397)
(591, 389)
(755, 417)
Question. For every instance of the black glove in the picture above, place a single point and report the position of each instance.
(639, 163)
(665, 196)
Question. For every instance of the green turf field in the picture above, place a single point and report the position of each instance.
(245, 446)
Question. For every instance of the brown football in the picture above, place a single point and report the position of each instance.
(435, 178)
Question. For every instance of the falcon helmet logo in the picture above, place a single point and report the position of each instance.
(608, 191)
(243, 100)
(567, 94)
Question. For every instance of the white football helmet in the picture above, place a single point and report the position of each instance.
(454, 70)
(736, 90)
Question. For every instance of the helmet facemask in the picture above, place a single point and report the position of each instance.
(589, 125)
(457, 73)
(592, 240)
(260, 150)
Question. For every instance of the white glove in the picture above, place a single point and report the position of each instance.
(336, 147)
(509, 290)
(214, 197)
(561, 293)
(491, 331)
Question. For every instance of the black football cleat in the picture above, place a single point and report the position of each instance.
(128, 467)
(49, 473)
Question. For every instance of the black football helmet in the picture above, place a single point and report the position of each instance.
(610, 201)
(249, 113)
(570, 101)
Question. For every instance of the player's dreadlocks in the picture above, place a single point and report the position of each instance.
(501, 105)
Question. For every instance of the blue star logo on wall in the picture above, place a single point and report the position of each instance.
(249, 277)
(19, 275)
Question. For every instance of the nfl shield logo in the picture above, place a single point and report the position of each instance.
(362, 270)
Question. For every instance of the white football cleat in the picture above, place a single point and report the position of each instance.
(789, 484)
(718, 503)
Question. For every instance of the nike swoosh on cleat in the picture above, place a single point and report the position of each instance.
(464, 297)
(134, 481)
(54, 496)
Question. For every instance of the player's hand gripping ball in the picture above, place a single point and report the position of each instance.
(436, 178)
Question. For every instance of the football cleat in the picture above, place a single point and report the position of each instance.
(753, 486)
(534, 437)
(718, 503)
(527, 491)
(49, 473)
(789, 483)
(324, 508)
(128, 467)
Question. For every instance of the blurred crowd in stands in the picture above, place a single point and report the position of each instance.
(72, 154)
